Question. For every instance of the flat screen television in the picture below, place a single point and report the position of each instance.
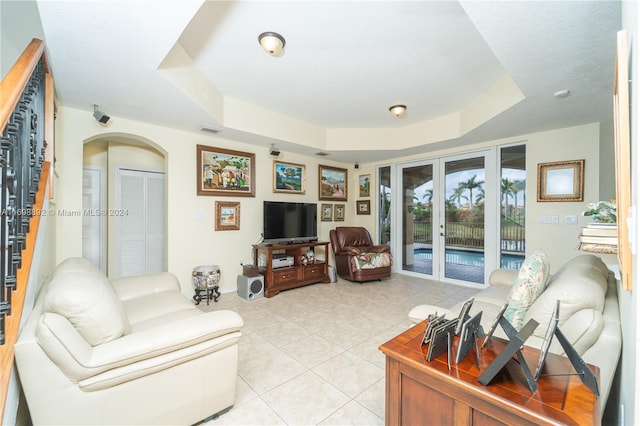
(290, 222)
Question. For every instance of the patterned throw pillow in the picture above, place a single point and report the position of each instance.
(530, 283)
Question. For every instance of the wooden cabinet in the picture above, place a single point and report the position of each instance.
(428, 393)
(285, 278)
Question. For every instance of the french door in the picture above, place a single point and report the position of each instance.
(449, 217)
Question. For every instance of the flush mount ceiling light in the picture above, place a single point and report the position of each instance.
(398, 110)
(272, 43)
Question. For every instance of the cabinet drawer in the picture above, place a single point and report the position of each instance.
(313, 271)
(284, 275)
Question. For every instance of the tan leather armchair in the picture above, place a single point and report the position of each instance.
(130, 351)
(357, 258)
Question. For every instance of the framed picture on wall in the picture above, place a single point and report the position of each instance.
(288, 177)
(333, 183)
(561, 181)
(326, 214)
(338, 212)
(227, 216)
(363, 207)
(225, 172)
(365, 185)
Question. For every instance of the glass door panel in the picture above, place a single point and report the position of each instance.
(463, 227)
(417, 218)
(513, 177)
(384, 207)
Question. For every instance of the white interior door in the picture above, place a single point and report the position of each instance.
(139, 218)
(93, 218)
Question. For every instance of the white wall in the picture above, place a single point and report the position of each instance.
(559, 241)
(192, 240)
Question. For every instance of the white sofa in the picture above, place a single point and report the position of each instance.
(589, 312)
(130, 351)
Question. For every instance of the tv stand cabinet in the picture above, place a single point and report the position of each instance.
(298, 275)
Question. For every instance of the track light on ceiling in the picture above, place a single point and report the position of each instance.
(398, 110)
(274, 150)
(100, 116)
(272, 43)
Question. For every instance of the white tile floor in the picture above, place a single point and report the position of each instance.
(309, 356)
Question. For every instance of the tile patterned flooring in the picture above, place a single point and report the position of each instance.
(309, 356)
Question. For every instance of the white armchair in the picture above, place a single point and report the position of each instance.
(131, 351)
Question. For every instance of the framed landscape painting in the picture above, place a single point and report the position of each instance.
(227, 216)
(225, 172)
(288, 177)
(333, 183)
(365, 185)
(338, 212)
(363, 207)
(326, 212)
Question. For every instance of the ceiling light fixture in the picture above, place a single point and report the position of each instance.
(398, 110)
(562, 93)
(272, 43)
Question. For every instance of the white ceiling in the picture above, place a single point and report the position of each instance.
(345, 62)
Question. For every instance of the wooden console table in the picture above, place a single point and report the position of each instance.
(427, 393)
(278, 279)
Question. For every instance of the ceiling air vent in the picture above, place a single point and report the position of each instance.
(321, 154)
(210, 129)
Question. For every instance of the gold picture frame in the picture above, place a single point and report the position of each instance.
(326, 212)
(225, 172)
(338, 212)
(363, 207)
(364, 183)
(288, 177)
(227, 216)
(333, 183)
(561, 181)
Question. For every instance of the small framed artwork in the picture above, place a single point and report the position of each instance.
(561, 181)
(338, 212)
(365, 185)
(333, 183)
(363, 207)
(326, 215)
(288, 177)
(227, 216)
(225, 172)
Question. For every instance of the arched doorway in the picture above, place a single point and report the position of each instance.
(124, 205)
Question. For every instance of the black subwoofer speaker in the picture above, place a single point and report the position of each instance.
(250, 287)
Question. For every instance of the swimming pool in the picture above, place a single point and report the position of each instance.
(469, 258)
